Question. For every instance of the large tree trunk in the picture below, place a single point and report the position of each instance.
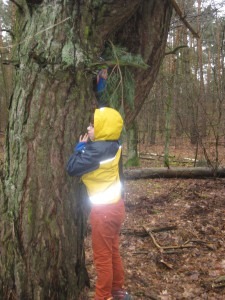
(42, 218)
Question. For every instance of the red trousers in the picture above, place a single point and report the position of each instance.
(106, 222)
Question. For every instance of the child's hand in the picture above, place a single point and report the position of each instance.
(84, 138)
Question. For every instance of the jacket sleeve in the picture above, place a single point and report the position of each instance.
(82, 162)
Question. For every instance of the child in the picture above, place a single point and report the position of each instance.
(98, 163)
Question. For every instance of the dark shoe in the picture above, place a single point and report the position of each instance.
(121, 295)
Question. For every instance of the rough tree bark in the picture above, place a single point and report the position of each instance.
(42, 222)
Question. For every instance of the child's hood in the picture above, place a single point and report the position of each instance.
(108, 124)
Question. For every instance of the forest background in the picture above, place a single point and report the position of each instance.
(185, 108)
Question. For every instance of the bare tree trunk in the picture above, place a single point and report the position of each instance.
(154, 117)
(201, 100)
(132, 141)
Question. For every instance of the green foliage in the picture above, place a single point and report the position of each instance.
(123, 57)
(120, 88)
(121, 82)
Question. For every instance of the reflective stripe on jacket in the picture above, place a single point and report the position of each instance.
(98, 163)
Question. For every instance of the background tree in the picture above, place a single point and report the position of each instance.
(198, 86)
(5, 56)
(42, 222)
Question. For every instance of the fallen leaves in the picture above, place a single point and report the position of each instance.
(192, 214)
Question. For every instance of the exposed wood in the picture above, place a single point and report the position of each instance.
(199, 172)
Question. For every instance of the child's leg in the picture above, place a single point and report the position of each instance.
(118, 270)
(102, 245)
(106, 222)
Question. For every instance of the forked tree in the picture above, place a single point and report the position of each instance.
(42, 222)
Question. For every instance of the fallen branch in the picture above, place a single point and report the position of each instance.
(219, 282)
(198, 172)
(162, 248)
(209, 246)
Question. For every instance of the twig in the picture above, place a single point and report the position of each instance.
(121, 76)
(111, 63)
(210, 246)
(176, 49)
(169, 266)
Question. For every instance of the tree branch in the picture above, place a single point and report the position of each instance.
(176, 49)
(182, 18)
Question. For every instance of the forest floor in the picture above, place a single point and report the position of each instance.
(173, 239)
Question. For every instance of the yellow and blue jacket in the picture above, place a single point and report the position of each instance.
(99, 163)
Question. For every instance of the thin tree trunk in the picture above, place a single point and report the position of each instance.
(4, 98)
(154, 117)
(132, 141)
(201, 100)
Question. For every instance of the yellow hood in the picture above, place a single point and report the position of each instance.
(108, 124)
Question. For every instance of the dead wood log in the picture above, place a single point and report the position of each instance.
(198, 172)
